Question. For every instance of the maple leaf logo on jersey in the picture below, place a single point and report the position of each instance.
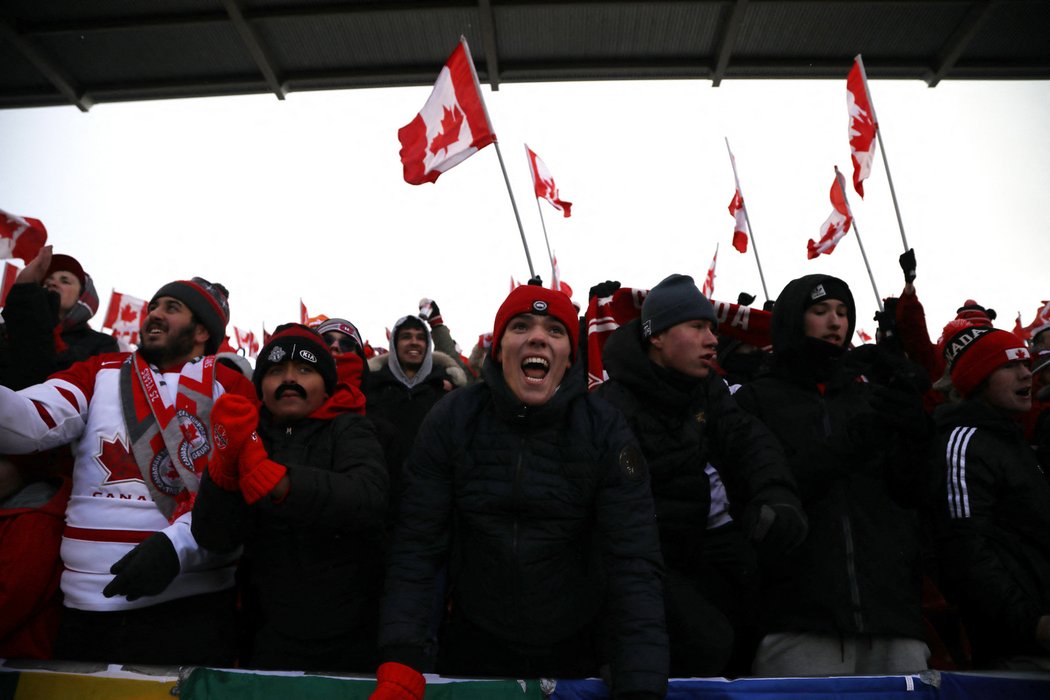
(451, 124)
(115, 458)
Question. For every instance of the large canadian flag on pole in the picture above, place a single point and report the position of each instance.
(862, 124)
(543, 183)
(736, 209)
(124, 316)
(837, 224)
(20, 236)
(452, 126)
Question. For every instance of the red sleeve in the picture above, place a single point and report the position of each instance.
(915, 338)
(233, 382)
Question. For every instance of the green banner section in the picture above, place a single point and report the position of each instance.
(213, 684)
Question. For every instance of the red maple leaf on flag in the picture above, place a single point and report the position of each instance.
(128, 313)
(115, 458)
(451, 123)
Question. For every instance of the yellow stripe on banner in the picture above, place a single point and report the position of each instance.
(61, 686)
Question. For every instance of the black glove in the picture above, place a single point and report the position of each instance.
(145, 570)
(901, 411)
(777, 527)
(603, 289)
(434, 318)
(745, 299)
(907, 261)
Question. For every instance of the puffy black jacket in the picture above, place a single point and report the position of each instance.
(683, 427)
(313, 562)
(993, 517)
(858, 571)
(544, 517)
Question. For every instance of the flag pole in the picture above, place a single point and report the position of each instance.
(499, 154)
(882, 150)
(856, 231)
(750, 231)
(543, 222)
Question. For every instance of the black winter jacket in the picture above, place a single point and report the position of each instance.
(683, 427)
(545, 519)
(858, 571)
(312, 563)
(27, 340)
(993, 517)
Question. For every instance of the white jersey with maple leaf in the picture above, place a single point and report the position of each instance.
(110, 509)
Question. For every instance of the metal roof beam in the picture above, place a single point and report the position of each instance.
(488, 40)
(255, 48)
(48, 68)
(727, 41)
(959, 40)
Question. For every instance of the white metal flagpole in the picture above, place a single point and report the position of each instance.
(543, 222)
(842, 186)
(747, 218)
(882, 150)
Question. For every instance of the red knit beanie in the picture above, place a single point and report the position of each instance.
(974, 352)
(533, 299)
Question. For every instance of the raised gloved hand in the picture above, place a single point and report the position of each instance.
(429, 312)
(603, 289)
(259, 473)
(777, 527)
(901, 410)
(907, 261)
(233, 420)
(396, 681)
(145, 570)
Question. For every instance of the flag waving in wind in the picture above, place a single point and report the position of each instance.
(451, 127)
(21, 237)
(837, 224)
(862, 124)
(736, 209)
(709, 281)
(543, 183)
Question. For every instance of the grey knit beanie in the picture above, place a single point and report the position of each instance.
(675, 300)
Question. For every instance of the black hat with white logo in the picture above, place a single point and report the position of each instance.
(294, 341)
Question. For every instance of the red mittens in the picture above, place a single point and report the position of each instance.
(233, 420)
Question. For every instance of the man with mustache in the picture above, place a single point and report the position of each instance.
(137, 587)
(534, 498)
(301, 484)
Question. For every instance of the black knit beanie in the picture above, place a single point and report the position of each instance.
(294, 341)
(209, 303)
(675, 300)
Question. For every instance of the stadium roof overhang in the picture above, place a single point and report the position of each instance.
(71, 52)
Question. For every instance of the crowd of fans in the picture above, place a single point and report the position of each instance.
(671, 499)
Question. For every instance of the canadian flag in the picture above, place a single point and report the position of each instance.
(303, 316)
(451, 127)
(20, 237)
(246, 341)
(837, 224)
(543, 183)
(736, 209)
(10, 273)
(125, 316)
(709, 281)
(862, 124)
(1042, 318)
(266, 336)
(864, 337)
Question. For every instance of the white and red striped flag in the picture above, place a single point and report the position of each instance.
(543, 183)
(863, 335)
(125, 316)
(303, 316)
(709, 281)
(451, 127)
(736, 210)
(836, 225)
(862, 124)
(10, 273)
(20, 236)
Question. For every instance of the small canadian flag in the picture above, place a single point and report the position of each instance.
(452, 126)
(125, 316)
(20, 236)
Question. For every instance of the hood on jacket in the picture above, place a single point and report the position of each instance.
(788, 325)
(428, 355)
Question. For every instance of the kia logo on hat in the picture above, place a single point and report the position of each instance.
(308, 356)
(539, 306)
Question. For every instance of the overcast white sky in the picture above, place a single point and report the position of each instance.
(305, 197)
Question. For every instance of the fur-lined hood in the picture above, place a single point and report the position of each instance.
(453, 371)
